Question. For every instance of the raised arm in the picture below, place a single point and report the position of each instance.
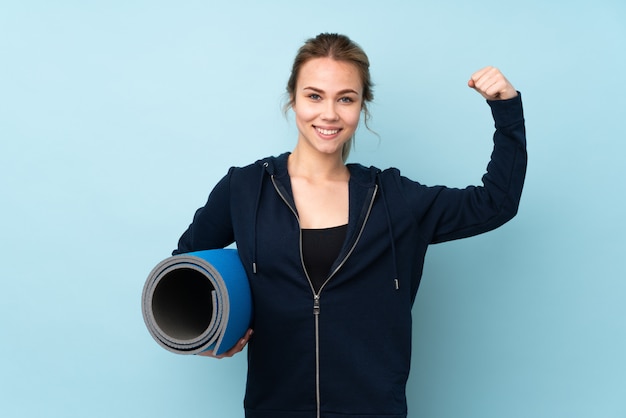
(450, 213)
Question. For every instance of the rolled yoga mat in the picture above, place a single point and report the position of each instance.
(198, 301)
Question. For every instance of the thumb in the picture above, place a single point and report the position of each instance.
(471, 83)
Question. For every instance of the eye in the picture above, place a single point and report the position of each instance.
(346, 100)
(314, 96)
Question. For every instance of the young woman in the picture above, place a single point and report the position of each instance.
(334, 251)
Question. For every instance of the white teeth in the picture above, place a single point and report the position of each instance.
(327, 131)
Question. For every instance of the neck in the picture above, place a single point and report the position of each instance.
(316, 165)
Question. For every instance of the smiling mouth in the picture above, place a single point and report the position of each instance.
(327, 131)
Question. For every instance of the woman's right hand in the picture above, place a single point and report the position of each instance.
(234, 350)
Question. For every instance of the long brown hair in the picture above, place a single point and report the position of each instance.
(340, 48)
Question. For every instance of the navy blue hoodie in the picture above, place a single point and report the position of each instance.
(345, 351)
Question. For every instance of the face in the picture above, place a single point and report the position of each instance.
(327, 103)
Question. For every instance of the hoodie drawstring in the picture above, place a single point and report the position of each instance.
(394, 261)
(256, 214)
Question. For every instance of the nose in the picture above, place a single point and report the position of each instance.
(329, 112)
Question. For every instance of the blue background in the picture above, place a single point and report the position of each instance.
(117, 118)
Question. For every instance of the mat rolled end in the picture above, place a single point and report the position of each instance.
(198, 302)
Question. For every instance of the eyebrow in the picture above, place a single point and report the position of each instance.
(345, 91)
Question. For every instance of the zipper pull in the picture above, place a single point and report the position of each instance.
(316, 305)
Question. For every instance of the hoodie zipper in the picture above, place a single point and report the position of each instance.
(316, 295)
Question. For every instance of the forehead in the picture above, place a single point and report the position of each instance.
(329, 74)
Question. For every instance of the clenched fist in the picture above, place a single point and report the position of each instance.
(491, 84)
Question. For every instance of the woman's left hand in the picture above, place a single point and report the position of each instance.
(492, 84)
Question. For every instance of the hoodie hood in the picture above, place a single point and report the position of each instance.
(364, 185)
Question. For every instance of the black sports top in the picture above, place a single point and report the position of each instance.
(320, 248)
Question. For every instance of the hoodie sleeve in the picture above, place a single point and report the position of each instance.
(446, 214)
(211, 227)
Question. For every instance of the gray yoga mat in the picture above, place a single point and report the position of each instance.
(198, 302)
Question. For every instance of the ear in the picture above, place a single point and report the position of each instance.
(291, 104)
